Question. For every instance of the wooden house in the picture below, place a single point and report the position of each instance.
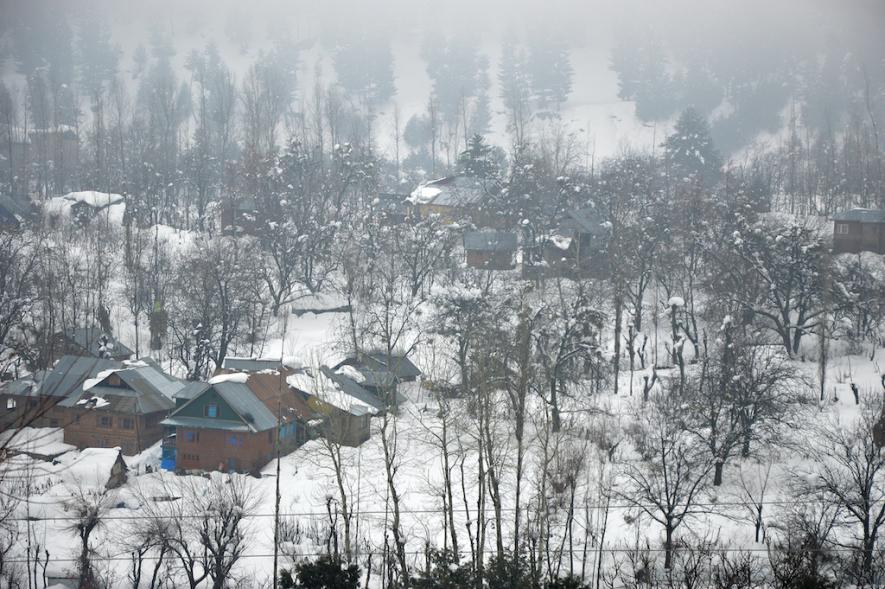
(232, 423)
(377, 376)
(87, 341)
(459, 198)
(490, 250)
(97, 469)
(859, 230)
(241, 216)
(80, 208)
(33, 400)
(13, 214)
(577, 247)
(120, 407)
(344, 406)
(392, 208)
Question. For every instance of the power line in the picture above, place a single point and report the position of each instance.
(323, 514)
(613, 550)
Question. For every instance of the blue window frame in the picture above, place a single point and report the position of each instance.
(211, 410)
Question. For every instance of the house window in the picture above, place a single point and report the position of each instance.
(192, 436)
(842, 228)
(105, 421)
(128, 423)
(235, 440)
(10, 404)
(210, 410)
(53, 423)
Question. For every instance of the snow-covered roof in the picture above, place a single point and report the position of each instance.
(333, 390)
(238, 377)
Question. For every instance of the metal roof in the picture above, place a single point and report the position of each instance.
(490, 241)
(204, 423)
(352, 388)
(585, 220)
(861, 216)
(400, 365)
(249, 408)
(68, 374)
(149, 390)
(88, 338)
(252, 364)
(456, 191)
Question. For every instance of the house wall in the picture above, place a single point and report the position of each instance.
(84, 429)
(483, 260)
(222, 450)
(869, 237)
(17, 410)
(348, 429)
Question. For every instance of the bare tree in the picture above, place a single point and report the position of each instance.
(89, 508)
(850, 470)
(668, 481)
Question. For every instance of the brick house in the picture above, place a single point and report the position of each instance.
(120, 407)
(232, 422)
(859, 230)
(33, 400)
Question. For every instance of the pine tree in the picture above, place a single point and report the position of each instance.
(477, 160)
(690, 150)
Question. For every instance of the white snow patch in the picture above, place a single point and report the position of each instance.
(240, 377)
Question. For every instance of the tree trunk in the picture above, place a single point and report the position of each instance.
(717, 473)
(619, 313)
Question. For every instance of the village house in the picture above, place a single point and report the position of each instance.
(97, 469)
(32, 400)
(240, 216)
(392, 208)
(459, 198)
(233, 422)
(344, 406)
(82, 207)
(576, 247)
(54, 151)
(859, 230)
(87, 341)
(490, 250)
(120, 407)
(13, 213)
(378, 372)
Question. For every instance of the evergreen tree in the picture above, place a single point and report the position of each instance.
(324, 573)
(364, 68)
(550, 69)
(478, 159)
(690, 150)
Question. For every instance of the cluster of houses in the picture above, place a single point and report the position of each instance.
(234, 422)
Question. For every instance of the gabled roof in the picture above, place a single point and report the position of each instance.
(336, 390)
(255, 364)
(490, 241)
(584, 220)
(148, 390)
(400, 365)
(255, 401)
(253, 415)
(69, 373)
(454, 191)
(861, 216)
(12, 211)
(89, 339)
